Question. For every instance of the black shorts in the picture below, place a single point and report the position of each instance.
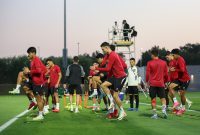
(38, 90)
(133, 90)
(27, 84)
(53, 90)
(117, 83)
(76, 87)
(183, 85)
(157, 92)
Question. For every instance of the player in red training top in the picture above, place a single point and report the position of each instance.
(37, 70)
(115, 81)
(156, 76)
(183, 77)
(54, 77)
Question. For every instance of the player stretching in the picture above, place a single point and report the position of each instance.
(183, 77)
(115, 68)
(24, 80)
(156, 76)
(54, 77)
(37, 74)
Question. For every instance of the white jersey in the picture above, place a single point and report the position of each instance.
(133, 78)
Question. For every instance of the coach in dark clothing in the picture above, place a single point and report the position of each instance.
(74, 76)
(126, 28)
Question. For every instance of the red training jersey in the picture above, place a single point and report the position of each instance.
(156, 73)
(37, 71)
(173, 75)
(114, 66)
(54, 75)
(183, 75)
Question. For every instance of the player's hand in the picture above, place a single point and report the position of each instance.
(92, 68)
(172, 69)
(56, 86)
(101, 75)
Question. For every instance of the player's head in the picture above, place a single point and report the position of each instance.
(99, 58)
(132, 62)
(26, 70)
(105, 46)
(31, 52)
(154, 53)
(169, 56)
(49, 62)
(75, 59)
(112, 47)
(175, 53)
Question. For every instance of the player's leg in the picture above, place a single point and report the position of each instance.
(136, 97)
(106, 90)
(152, 93)
(131, 98)
(167, 97)
(71, 93)
(19, 82)
(161, 94)
(30, 97)
(56, 100)
(78, 93)
(38, 91)
(183, 88)
(172, 88)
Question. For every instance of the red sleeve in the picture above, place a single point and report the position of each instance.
(109, 65)
(123, 62)
(58, 69)
(147, 72)
(38, 67)
(104, 61)
(181, 66)
(91, 73)
(166, 76)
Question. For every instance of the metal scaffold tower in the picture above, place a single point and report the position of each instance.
(124, 44)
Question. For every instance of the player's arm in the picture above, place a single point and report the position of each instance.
(82, 72)
(109, 65)
(59, 77)
(19, 78)
(181, 66)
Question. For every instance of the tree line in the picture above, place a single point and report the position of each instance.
(9, 67)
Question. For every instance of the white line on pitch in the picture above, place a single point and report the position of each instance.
(8, 123)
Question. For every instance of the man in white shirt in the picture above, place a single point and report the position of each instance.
(133, 80)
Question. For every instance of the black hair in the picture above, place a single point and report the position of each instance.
(175, 51)
(31, 50)
(168, 53)
(104, 44)
(132, 59)
(75, 59)
(49, 59)
(155, 52)
(112, 47)
(99, 55)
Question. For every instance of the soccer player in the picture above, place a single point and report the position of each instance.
(183, 77)
(24, 80)
(156, 76)
(116, 77)
(133, 80)
(37, 71)
(74, 76)
(54, 77)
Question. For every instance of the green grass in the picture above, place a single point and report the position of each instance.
(89, 123)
